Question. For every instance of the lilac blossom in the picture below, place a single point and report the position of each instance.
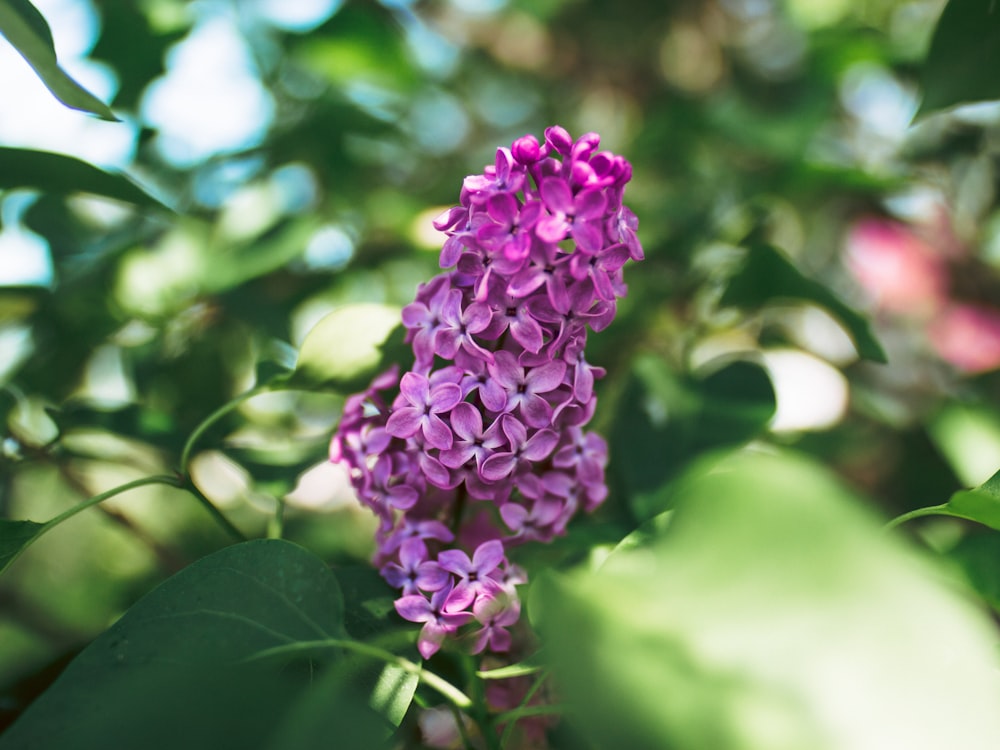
(481, 446)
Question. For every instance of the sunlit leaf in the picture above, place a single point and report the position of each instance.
(14, 537)
(347, 347)
(767, 276)
(26, 29)
(772, 612)
(65, 175)
(168, 674)
(964, 56)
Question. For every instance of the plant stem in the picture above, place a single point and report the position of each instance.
(214, 417)
(216, 514)
(167, 479)
(431, 680)
(933, 510)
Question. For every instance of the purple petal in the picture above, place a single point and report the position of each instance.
(525, 282)
(546, 378)
(540, 445)
(402, 496)
(458, 455)
(414, 388)
(506, 371)
(437, 433)
(536, 411)
(527, 333)
(405, 422)
(493, 396)
(556, 195)
(498, 466)
(503, 209)
(414, 608)
(477, 316)
(589, 235)
(466, 421)
(447, 342)
(445, 396)
(455, 561)
(487, 556)
(590, 204)
(552, 228)
(436, 473)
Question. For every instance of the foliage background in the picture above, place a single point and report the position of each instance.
(301, 164)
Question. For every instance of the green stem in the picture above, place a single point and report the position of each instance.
(214, 417)
(933, 510)
(216, 514)
(276, 527)
(167, 479)
(522, 709)
(431, 680)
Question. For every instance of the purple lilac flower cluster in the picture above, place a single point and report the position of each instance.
(484, 446)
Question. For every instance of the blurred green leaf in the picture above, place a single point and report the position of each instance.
(772, 612)
(26, 29)
(14, 537)
(665, 420)
(64, 175)
(767, 276)
(167, 674)
(348, 347)
(964, 56)
(978, 556)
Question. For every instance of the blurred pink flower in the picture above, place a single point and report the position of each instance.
(901, 272)
(967, 337)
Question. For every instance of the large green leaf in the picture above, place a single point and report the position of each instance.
(348, 347)
(14, 537)
(26, 29)
(964, 56)
(772, 612)
(981, 504)
(179, 668)
(768, 276)
(64, 175)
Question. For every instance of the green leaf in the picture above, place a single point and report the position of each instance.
(172, 672)
(348, 347)
(14, 537)
(771, 612)
(664, 420)
(26, 29)
(964, 56)
(64, 175)
(978, 556)
(981, 504)
(768, 276)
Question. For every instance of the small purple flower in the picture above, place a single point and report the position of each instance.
(421, 415)
(438, 624)
(473, 441)
(522, 448)
(581, 216)
(459, 327)
(523, 388)
(414, 572)
(495, 614)
(474, 575)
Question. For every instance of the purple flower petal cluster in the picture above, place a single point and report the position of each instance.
(483, 445)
